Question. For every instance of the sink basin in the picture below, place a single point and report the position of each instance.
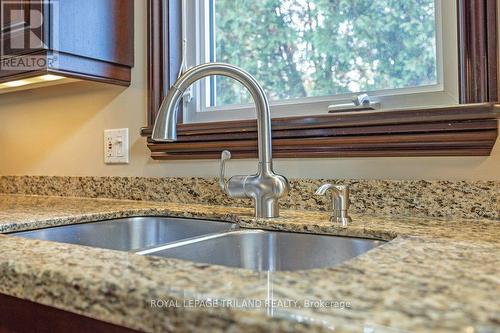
(267, 251)
(129, 233)
(210, 242)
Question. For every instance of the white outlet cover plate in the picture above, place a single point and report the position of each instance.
(116, 146)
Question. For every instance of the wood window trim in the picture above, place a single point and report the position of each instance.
(478, 51)
(462, 130)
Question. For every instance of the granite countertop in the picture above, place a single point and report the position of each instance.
(433, 275)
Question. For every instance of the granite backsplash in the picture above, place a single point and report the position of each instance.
(462, 199)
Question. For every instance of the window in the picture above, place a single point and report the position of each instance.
(451, 130)
(309, 54)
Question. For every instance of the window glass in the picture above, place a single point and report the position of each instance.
(313, 48)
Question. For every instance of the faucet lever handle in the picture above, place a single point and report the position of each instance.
(225, 156)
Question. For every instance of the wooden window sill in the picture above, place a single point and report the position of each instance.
(461, 130)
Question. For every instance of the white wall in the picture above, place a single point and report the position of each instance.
(58, 131)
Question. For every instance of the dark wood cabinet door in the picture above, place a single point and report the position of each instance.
(102, 30)
(83, 39)
(23, 26)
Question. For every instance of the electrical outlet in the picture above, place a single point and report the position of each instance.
(116, 149)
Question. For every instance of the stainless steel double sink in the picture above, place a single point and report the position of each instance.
(210, 242)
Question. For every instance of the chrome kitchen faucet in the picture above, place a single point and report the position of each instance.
(265, 187)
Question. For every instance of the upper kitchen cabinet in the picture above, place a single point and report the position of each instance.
(45, 41)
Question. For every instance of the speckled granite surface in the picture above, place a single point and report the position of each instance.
(460, 199)
(434, 276)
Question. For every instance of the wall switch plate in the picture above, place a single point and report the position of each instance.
(116, 149)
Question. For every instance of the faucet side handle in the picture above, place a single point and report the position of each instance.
(225, 156)
(234, 186)
(340, 202)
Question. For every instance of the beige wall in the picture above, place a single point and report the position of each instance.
(58, 131)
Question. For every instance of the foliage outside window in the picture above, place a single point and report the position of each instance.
(313, 48)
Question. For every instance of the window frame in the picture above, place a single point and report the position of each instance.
(477, 68)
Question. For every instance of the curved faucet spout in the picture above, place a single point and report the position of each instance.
(165, 125)
(265, 187)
